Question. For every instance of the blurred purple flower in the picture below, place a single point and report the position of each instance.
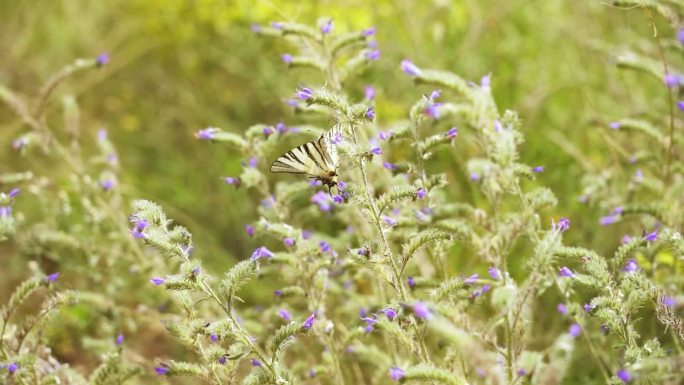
(471, 280)
(277, 292)
(325, 246)
(494, 273)
(384, 135)
(411, 69)
(256, 28)
(338, 199)
(232, 180)
(207, 134)
(575, 330)
(327, 27)
(486, 81)
(288, 241)
(376, 151)
(222, 360)
(566, 272)
(308, 323)
(588, 307)
(562, 225)
(255, 362)
(214, 338)
(498, 126)
(421, 310)
(368, 31)
(284, 314)
(624, 375)
(370, 113)
(411, 282)
(261, 252)
(11, 368)
(389, 166)
(53, 277)
(323, 201)
(521, 372)
(156, 281)
(119, 339)
(680, 105)
(107, 184)
(396, 373)
(631, 266)
(562, 308)
(432, 110)
(389, 313)
(671, 80)
(669, 301)
(249, 229)
(373, 54)
(102, 59)
(651, 236)
(14, 192)
(369, 92)
(161, 370)
(389, 221)
(474, 176)
(538, 169)
(608, 219)
(452, 133)
(421, 193)
(281, 128)
(277, 25)
(304, 93)
(614, 125)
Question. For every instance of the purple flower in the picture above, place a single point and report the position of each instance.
(396, 373)
(161, 370)
(624, 375)
(631, 266)
(362, 312)
(614, 125)
(566, 272)
(284, 314)
(277, 292)
(432, 110)
(323, 201)
(255, 362)
(421, 310)
(521, 372)
(53, 277)
(494, 273)
(338, 199)
(281, 127)
(256, 28)
(680, 105)
(389, 166)
(651, 236)
(421, 193)
(384, 135)
(486, 81)
(373, 54)
(575, 330)
(261, 252)
(308, 323)
(588, 307)
(249, 229)
(452, 133)
(304, 93)
(408, 67)
(20, 143)
(11, 368)
(341, 185)
(222, 360)
(481, 291)
(107, 184)
(372, 44)
(671, 80)
(370, 113)
(5, 211)
(232, 180)
(368, 31)
(207, 133)
(14, 192)
(288, 241)
(562, 225)
(474, 176)
(376, 150)
(668, 301)
(369, 321)
(435, 94)
(562, 308)
(608, 219)
(277, 25)
(287, 58)
(411, 282)
(102, 59)
(538, 169)
(498, 126)
(119, 339)
(325, 246)
(327, 27)
(389, 313)
(389, 221)
(369, 92)
(214, 338)
(156, 281)
(472, 279)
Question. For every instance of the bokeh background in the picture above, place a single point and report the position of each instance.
(178, 66)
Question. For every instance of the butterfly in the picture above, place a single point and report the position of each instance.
(317, 159)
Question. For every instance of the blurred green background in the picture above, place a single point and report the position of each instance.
(180, 66)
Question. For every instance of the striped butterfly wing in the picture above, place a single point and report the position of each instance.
(314, 159)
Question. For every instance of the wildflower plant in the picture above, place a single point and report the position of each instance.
(363, 274)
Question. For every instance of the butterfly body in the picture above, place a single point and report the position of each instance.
(317, 159)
